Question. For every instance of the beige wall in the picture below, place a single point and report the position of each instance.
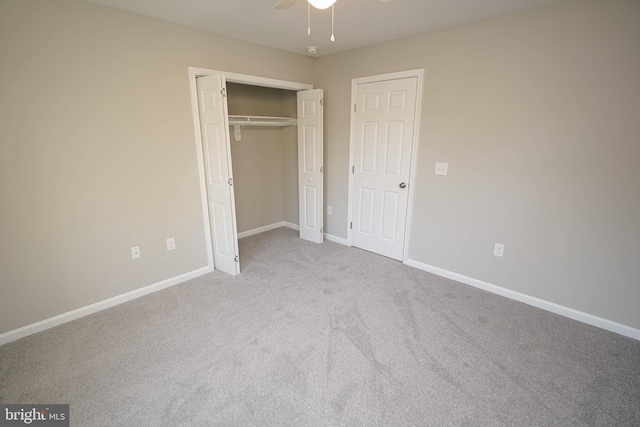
(97, 150)
(264, 158)
(537, 114)
(290, 159)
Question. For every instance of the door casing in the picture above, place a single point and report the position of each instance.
(195, 72)
(419, 74)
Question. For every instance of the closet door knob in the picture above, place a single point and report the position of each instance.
(403, 185)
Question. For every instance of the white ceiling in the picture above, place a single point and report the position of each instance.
(358, 22)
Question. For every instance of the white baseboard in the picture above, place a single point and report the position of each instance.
(336, 239)
(507, 293)
(291, 225)
(580, 316)
(99, 306)
(287, 224)
(267, 228)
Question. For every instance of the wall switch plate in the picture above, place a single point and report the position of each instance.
(329, 210)
(441, 168)
(498, 250)
(171, 244)
(135, 252)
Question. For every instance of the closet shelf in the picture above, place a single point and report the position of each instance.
(261, 121)
(238, 122)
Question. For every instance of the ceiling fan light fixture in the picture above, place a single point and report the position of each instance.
(321, 4)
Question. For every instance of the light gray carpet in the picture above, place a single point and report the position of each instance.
(326, 335)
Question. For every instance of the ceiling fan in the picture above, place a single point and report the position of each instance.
(318, 4)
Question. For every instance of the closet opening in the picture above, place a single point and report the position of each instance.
(264, 156)
(259, 144)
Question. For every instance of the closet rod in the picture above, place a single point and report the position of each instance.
(238, 122)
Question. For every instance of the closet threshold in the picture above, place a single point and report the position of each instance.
(238, 122)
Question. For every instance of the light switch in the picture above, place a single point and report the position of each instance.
(442, 168)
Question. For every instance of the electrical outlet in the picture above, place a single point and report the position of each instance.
(135, 252)
(441, 168)
(329, 210)
(498, 250)
(171, 244)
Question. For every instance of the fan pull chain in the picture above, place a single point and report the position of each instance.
(308, 18)
(333, 19)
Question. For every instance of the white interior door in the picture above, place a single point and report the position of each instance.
(310, 165)
(383, 136)
(212, 106)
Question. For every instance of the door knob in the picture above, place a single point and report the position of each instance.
(403, 185)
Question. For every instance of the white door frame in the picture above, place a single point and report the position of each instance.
(195, 72)
(419, 74)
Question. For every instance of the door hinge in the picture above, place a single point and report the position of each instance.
(321, 169)
(353, 169)
(230, 182)
(321, 230)
(354, 108)
(236, 258)
(223, 92)
(351, 226)
(322, 101)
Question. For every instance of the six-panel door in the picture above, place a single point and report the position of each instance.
(384, 123)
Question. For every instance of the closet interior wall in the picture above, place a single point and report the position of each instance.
(265, 161)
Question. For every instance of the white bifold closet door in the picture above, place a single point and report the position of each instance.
(310, 165)
(212, 106)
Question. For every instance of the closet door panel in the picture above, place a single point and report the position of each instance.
(218, 173)
(310, 165)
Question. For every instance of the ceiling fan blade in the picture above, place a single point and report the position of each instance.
(284, 4)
